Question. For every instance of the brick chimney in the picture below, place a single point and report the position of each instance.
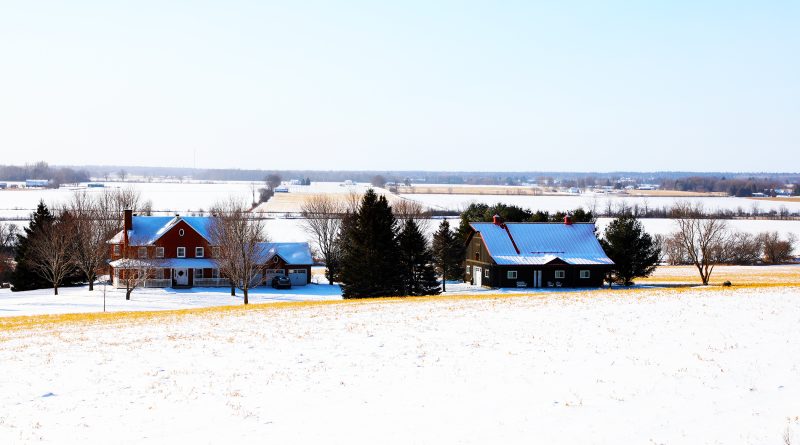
(497, 220)
(568, 220)
(127, 224)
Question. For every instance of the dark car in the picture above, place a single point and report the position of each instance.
(281, 282)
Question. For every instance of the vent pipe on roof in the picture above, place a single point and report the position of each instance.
(568, 220)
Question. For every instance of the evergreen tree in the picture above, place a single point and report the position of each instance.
(370, 265)
(634, 252)
(24, 276)
(418, 275)
(448, 253)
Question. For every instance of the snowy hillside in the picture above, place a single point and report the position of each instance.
(677, 366)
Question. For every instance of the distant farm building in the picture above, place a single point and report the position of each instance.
(31, 183)
(535, 255)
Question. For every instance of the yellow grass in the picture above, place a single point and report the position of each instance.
(750, 275)
(673, 193)
(56, 321)
(779, 199)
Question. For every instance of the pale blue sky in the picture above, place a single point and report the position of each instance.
(432, 85)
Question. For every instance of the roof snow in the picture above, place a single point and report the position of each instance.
(292, 253)
(541, 243)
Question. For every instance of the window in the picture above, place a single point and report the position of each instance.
(477, 256)
(584, 274)
(198, 273)
(159, 252)
(215, 252)
(486, 273)
(159, 274)
(512, 274)
(199, 252)
(560, 274)
(181, 252)
(143, 252)
(180, 232)
(116, 249)
(214, 273)
(469, 270)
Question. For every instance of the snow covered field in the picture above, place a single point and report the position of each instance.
(677, 366)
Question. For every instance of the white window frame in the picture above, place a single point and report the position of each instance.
(585, 274)
(198, 274)
(142, 249)
(159, 252)
(199, 252)
(511, 274)
(485, 273)
(181, 232)
(181, 252)
(117, 249)
(561, 274)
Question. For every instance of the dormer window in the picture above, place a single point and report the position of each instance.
(143, 252)
(181, 252)
(199, 252)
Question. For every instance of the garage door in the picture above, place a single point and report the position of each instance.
(270, 274)
(298, 277)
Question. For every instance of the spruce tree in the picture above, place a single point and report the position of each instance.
(634, 252)
(370, 266)
(24, 276)
(418, 274)
(448, 253)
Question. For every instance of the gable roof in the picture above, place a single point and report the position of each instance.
(541, 243)
(291, 253)
(146, 230)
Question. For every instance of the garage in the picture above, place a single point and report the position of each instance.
(298, 277)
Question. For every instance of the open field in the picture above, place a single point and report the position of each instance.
(469, 190)
(692, 366)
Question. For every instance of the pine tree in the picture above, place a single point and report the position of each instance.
(418, 274)
(634, 252)
(448, 253)
(369, 265)
(24, 276)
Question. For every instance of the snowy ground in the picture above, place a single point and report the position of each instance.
(677, 366)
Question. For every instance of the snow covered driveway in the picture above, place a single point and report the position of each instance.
(663, 366)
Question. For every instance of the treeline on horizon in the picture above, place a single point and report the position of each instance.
(734, 184)
(41, 170)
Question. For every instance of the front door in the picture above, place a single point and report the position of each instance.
(537, 278)
(478, 275)
(181, 277)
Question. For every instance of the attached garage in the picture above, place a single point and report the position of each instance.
(298, 277)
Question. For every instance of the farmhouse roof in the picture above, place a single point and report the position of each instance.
(542, 243)
(146, 230)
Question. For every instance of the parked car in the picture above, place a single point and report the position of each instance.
(281, 282)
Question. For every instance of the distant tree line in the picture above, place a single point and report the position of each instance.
(41, 170)
(477, 212)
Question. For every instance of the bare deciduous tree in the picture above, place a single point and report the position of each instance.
(135, 274)
(92, 227)
(49, 252)
(323, 219)
(406, 209)
(776, 249)
(702, 237)
(8, 240)
(239, 236)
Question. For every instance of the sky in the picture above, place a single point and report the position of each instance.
(410, 85)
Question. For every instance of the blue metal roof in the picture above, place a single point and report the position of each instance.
(292, 253)
(541, 243)
(146, 230)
